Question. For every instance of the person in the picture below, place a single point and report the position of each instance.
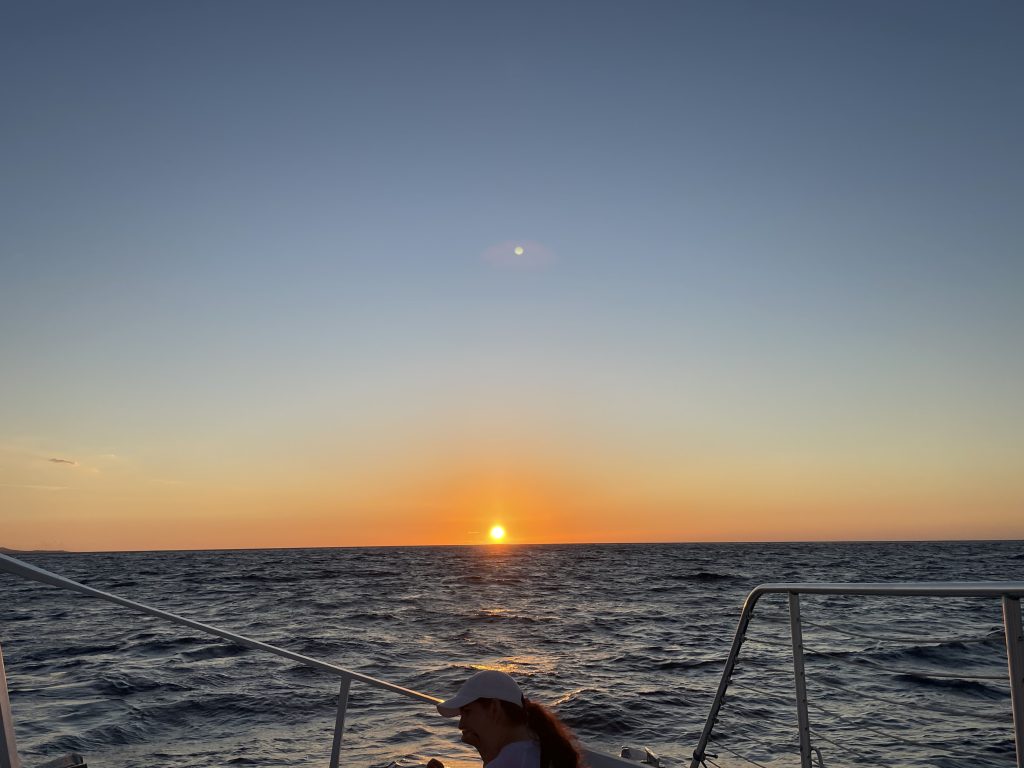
(507, 729)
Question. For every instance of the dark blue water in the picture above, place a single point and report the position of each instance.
(627, 642)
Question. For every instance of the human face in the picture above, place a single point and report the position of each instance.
(478, 722)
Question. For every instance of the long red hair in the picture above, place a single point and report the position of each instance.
(558, 746)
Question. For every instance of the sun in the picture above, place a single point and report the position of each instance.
(497, 533)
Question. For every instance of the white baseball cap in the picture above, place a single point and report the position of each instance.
(488, 684)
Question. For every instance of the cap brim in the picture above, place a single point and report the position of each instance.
(451, 707)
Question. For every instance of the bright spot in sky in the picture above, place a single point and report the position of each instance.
(497, 533)
(518, 250)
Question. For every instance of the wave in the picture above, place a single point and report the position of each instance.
(125, 684)
(599, 717)
(101, 737)
(408, 734)
(977, 688)
(699, 664)
(704, 576)
(488, 616)
(217, 651)
(72, 651)
(165, 646)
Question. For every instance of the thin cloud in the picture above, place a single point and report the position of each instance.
(64, 461)
(519, 254)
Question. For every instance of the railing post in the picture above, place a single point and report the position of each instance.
(339, 722)
(1015, 662)
(801, 684)
(723, 684)
(8, 749)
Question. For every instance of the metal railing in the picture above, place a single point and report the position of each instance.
(1009, 592)
(8, 752)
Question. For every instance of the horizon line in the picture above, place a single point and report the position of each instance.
(506, 545)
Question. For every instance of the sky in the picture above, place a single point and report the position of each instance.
(379, 273)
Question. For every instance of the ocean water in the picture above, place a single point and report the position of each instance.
(625, 642)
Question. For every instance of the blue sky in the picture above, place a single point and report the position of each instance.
(774, 235)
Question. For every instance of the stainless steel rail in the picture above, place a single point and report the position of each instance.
(8, 752)
(20, 568)
(1009, 591)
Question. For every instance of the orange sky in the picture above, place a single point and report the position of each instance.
(118, 503)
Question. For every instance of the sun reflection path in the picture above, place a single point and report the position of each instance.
(526, 664)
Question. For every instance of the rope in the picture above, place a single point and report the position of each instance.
(897, 702)
(883, 699)
(741, 757)
(761, 692)
(752, 689)
(779, 643)
(876, 731)
(854, 752)
(898, 638)
(845, 721)
(911, 672)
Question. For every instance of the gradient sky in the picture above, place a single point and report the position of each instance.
(258, 283)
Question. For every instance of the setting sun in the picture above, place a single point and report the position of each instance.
(497, 533)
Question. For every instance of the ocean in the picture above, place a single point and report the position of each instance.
(625, 642)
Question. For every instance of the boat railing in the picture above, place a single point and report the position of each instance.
(8, 751)
(1010, 594)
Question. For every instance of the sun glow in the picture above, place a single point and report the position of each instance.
(497, 533)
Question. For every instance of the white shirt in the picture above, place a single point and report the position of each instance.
(518, 754)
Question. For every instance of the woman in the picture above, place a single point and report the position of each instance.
(507, 729)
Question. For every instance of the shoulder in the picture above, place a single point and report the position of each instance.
(518, 754)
